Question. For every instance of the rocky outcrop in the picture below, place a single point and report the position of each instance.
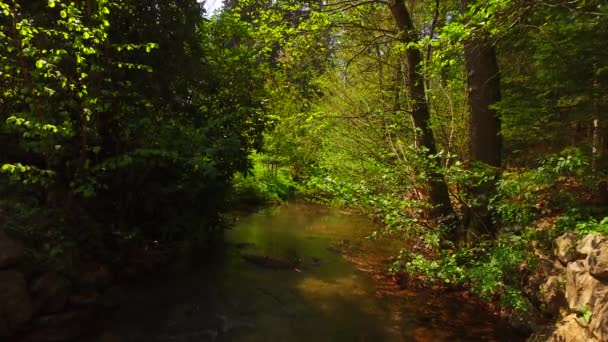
(585, 308)
(598, 262)
(15, 303)
(570, 329)
(552, 294)
(582, 288)
(11, 251)
(50, 306)
(590, 243)
(95, 277)
(599, 319)
(51, 292)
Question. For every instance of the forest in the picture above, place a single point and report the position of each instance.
(472, 134)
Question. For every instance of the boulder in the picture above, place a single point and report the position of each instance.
(15, 303)
(589, 243)
(598, 261)
(570, 329)
(95, 277)
(84, 299)
(50, 292)
(11, 251)
(599, 320)
(548, 266)
(552, 293)
(113, 298)
(564, 247)
(65, 326)
(582, 289)
(110, 337)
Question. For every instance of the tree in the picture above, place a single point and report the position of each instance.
(485, 141)
(438, 190)
(483, 91)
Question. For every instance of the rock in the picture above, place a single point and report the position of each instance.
(15, 303)
(599, 320)
(65, 326)
(51, 292)
(542, 334)
(564, 247)
(598, 261)
(582, 289)
(552, 293)
(11, 251)
(109, 337)
(113, 298)
(589, 243)
(269, 262)
(97, 277)
(84, 299)
(570, 329)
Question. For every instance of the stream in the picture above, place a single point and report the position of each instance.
(336, 292)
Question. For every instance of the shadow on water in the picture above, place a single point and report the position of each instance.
(325, 298)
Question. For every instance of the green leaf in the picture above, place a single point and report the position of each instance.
(63, 14)
(40, 63)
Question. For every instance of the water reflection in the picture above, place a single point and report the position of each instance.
(324, 298)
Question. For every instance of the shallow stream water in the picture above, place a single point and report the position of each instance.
(335, 293)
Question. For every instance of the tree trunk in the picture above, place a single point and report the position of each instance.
(484, 92)
(438, 190)
(485, 144)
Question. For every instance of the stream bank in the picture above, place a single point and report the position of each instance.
(333, 292)
(295, 272)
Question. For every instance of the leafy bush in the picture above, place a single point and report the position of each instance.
(263, 184)
(555, 185)
(491, 269)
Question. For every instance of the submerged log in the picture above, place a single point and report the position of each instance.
(270, 262)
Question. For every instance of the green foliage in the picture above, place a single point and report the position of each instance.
(585, 313)
(492, 269)
(124, 118)
(580, 221)
(268, 182)
(525, 195)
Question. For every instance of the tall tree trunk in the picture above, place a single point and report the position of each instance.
(438, 190)
(484, 92)
(485, 144)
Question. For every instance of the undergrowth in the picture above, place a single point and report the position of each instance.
(268, 182)
(494, 267)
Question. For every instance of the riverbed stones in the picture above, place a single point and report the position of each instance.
(51, 292)
(564, 247)
(11, 251)
(15, 303)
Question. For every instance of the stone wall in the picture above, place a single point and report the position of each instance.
(577, 289)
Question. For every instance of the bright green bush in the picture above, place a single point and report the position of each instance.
(264, 184)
